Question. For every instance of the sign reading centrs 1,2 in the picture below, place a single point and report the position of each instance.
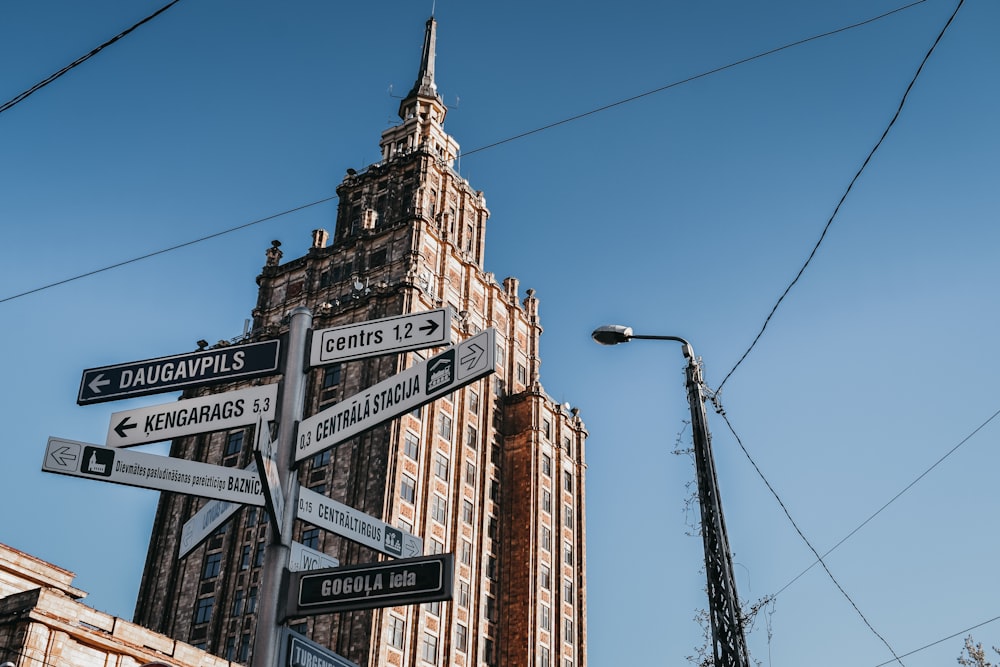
(155, 376)
(413, 331)
(470, 360)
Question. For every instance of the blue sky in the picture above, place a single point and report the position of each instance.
(685, 213)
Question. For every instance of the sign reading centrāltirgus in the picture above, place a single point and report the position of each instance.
(338, 518)
(442, 374)
(388, 584)
(155, 376)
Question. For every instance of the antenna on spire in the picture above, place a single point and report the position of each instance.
(433, 6)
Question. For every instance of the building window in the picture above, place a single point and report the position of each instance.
(522, 373)
(546, 500)
(259, 559)
(546, 538)
(437, 546)
(439, 509)
(251, 601)
(491, 529)
(546, 577)
(568, 630)
(408, 489)
(568, 445)
(463, 594)
(321, 459)
(568, 515)
(567, 480)
(245, 557)
(441, 465)
(567, 552)
(467, 510)
(491, 567)
(331, 375)
(470, 473)
(499, 354)
(491, 608)
(244, 647)
(429, 650)
(547, 428)
(473, 402)
(546, 622)
(234, 443)
(498, 386)
(230, 654)
(494, 490)
(567, 590)
(212, 565)
(251, 517)
(203, 611)
(546, 465)
(466, 552)
(394, 632)
(237, 603)
(411, 445)
(433, 608)
(461, 638)
(444, 426)
(471, 437)
(415, 413)
(310, 538)
(488, 651)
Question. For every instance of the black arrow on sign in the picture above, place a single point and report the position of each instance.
(472, 356)
(430, 327)
(63, 456)
(123, 426)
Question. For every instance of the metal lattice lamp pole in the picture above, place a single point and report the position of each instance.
(728, 642)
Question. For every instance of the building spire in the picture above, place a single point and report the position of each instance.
(425, 86)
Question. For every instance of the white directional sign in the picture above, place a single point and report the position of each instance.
(155, 376)
(303, 559)
(422, 383)
(151, 471)
(265, 453)
(413, 331)
(204, 522)
(362, 528)
(215, 412)
(302, 652)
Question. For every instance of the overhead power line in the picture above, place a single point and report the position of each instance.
(494, 144)
(843, 197)
(943, 639)
(165, 250)
(52, 77)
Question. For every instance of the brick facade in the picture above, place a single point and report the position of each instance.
(467, 472)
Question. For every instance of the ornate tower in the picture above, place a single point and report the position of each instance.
(493, 473)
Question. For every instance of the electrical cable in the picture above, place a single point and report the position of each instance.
(689, 79)
(843, 197)
(52, 77)
(722, 413)
(165, 250)
(509, 139)
(893, 499)
(943, 639)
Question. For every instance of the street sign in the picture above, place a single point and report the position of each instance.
(303, 559)
(265, 453)
(422, 383)
(204, 522)
(301, 652)
(151, 471)
(388, 584)
(155, 376)
(215, 412)
(401, 333)
(359, 527)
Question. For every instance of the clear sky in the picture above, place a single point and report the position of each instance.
(685, 213)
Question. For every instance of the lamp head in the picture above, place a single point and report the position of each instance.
(612, 334)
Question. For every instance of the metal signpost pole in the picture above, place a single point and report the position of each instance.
(268, 636)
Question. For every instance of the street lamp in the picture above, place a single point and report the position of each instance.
(728, 642)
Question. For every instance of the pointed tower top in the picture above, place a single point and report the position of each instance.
(425, 86)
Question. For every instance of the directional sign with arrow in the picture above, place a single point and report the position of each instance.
(215, 412)
(328, 514)
(442, 374)
(151, 471)
(414, 331)
(155, 376)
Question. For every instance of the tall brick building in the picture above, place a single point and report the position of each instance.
(493, 473)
